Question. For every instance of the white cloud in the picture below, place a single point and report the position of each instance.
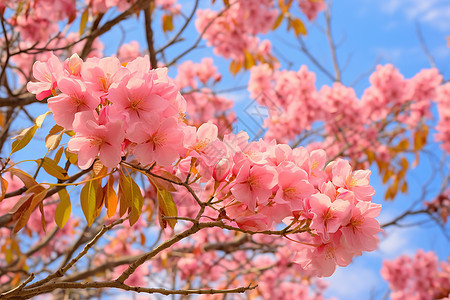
(352, 282)
(433, 12)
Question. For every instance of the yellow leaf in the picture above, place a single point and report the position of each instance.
(72, 157)
(88, 201)
(167, 21)
(53, 138)
(110, 197)
(298, 26)
(249, 61)
(403, 145)
(167, 207)
(137, 202)
(83, 21)
(58, 155)
(63, 209)
(52, 141)
(23, 138)
(278, 22)
(52, 168)
(40, 119)
(226, 2)
(387, 175)
(124, 196)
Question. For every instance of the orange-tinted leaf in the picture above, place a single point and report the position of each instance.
(167, 22)
(4, 187)
(235, 66)
(41, 209)
(278, 21)
(404, 187)
(298, 26)
(27, 179)
(110, 197)
(83, 21)
(249, 61)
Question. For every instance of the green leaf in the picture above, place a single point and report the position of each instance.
(88, 201)
(63, 209)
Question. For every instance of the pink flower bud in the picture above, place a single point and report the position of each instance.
(222, 169)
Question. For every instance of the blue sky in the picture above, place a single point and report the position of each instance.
(366, 31)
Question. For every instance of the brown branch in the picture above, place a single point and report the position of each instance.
(86, 248)
(90, 40)
(176, 36)
(337, 71)
(28, 293)
(149, 34)
(176, 238)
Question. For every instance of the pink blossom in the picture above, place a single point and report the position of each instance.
(328, 216)
(254, 184)
(133, 95)
(75, 98)
(94, 138)
(47, 73)
(158, 140)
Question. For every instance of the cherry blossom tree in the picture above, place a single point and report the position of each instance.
(134, 180)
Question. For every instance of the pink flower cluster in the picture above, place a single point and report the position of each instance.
(443, 127)
(291, 97)
(311, 8)
(101, 6)
(418, 277)
(235, 30)
(203, 104)
(117, 111)
(295, 105)
(260, 184)
(37, 20)
(114, 110)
